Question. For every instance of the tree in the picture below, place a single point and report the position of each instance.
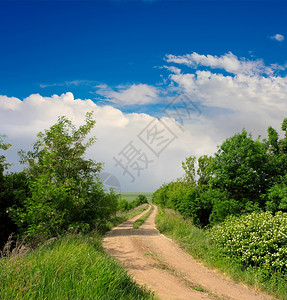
(13, 192)
(204, 169)
(66, 193)
(240, 169)
(141, 199)
(189, 168)
(3, 164)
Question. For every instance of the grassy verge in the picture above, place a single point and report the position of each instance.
(73, 267)
(138, 223)
(197, 242)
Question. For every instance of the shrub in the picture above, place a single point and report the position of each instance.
(256, 239)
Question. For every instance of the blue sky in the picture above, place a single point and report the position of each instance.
(123, 42)
(130, 58)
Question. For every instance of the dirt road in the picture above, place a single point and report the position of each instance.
(158, 263)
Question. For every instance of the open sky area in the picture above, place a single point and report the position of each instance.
(165, 79)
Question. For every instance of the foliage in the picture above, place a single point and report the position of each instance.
(14, 190)
(131, 196)
(256, 239)
(199, 244)
(124, 204)
(277, 197)
(3, 164)
(240, 168)
(74, 267)
(189, 168)
(141, 199)
(244, 175)
(204, 169)
(65, 191)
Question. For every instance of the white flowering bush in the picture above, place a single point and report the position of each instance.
(256, 239)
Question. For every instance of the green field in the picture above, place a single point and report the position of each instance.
(132, 196)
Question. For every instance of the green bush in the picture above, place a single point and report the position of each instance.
(123, 205)
(141, 199)
(256, 239)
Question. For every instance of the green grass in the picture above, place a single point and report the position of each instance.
(138, 223)
(74, 267)
(198, 243)
(132, 196)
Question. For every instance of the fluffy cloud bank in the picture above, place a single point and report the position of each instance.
(253, 96)
(232, 93)
(21, 120)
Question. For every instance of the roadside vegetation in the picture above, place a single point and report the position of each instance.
(138, 223)
(131, 196)
(200, 244)
(233, 209)
(58, 209)
(124, 204)
(73, 267)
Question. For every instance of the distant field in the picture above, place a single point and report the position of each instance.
(132, 196)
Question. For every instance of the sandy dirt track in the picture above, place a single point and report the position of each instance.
(157, 262)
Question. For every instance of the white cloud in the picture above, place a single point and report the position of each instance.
(135, 94)
(228, 62)
(234, 102)
(173, 69)
(278, 37)
(244, 99)
(21, 120)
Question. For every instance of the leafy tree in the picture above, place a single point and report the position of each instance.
(123, 205)
(277, 197)
(65, 190)
(204, 169)
(141, 199)
(240, 169)
(3, 204)
(244, 175)
(3, 164)
(189, 167)
(13, 192)
(272, 142)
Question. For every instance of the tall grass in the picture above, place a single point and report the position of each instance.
(74, 267)
(198, 243)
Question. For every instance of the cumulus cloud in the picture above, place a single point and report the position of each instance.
(21, 120)
(278, 37)
(228, 62)
(244, 98)
(135, 94)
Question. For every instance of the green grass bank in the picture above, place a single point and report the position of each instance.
(73, 267)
